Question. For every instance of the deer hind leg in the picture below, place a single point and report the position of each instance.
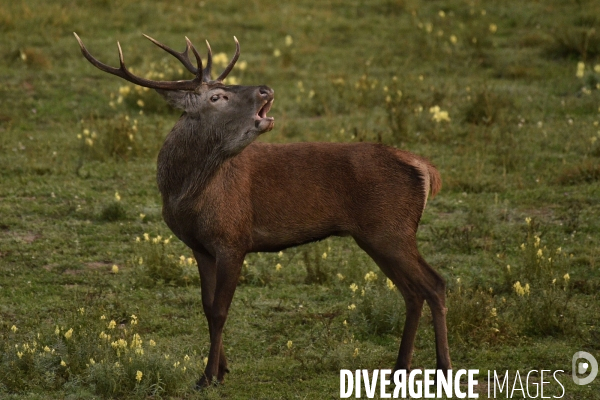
(417, 282)
(208, 281)
(436, 299)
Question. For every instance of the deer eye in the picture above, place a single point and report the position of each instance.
(214, 98)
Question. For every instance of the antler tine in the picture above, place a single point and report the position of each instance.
(198, 59)
(122, 72)
(207, 70)
(232, 62)
(183, 57)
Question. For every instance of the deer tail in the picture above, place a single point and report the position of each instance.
(435, 180)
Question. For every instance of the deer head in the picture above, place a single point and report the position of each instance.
(233, 114)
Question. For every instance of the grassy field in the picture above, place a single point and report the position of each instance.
(504, 97)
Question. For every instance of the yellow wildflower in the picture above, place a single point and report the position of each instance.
(114, 269)
(64, 364)
(276, 53)
(354, 287)
(278, 267)
(340, 276)
(580, 69)
(68, 334)
(519, 289)
(439, 115)
(370, 276)
(493, 28)
(152, 343)
(289, 344)
(220, 59)
(288, 41)
(355, 352)
(351, 307)
(14, 328)
(136, 341)
(117, 196)
(566, 277)
(390, 284)
(112, 324)
(138, 376)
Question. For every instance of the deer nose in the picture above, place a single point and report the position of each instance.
(265, 92)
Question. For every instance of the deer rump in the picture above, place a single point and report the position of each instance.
(276, 196)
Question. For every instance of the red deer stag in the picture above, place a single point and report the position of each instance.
(225, 196)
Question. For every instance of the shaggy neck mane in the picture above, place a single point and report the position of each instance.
(189, 158)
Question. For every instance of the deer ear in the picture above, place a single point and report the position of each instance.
(181, 99)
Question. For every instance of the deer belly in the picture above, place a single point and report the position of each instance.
(276, 238)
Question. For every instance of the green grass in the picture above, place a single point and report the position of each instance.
(522, 142)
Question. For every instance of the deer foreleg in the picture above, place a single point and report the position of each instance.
(219, 280)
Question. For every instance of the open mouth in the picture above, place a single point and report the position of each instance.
(261, 121)
(262, 113)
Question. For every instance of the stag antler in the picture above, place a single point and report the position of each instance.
(185, 60)
(202, 76)
(183, 57)
(231, 63)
